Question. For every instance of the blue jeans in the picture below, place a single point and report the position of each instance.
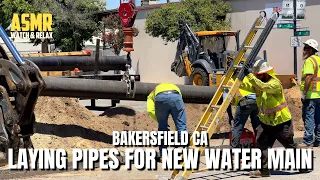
(311, 119)
(166, 104)
(241, 116)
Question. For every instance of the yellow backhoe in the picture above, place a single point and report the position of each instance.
(202, 56)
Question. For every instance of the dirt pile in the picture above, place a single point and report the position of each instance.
(293, 97)
(64, 123)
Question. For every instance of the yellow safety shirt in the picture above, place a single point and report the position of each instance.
(245, 89)
(160, 88)
(311, 66)
(273, 107)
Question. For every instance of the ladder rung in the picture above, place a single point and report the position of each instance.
(248, 47)
(215, 107)
(204, 127)
(237, 67)
(259, 27)
(226, 86)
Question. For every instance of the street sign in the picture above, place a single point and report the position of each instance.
(287, 9)
(285, 26)
(296, 41)
(303, 33)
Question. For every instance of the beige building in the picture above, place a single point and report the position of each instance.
(155, 57)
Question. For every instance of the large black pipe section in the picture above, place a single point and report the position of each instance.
(105, 89)
(84, 63)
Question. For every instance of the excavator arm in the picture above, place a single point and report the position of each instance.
(20, 85)
(183, 61)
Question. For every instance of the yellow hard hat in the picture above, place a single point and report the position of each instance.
(261, 66)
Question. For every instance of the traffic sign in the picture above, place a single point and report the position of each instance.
(285, 26)
(296, 41)
(303, 33)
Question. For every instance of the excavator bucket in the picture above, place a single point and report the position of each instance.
(288, 80)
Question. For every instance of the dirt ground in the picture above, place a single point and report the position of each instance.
(64, 123)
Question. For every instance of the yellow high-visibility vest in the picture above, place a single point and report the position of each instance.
(273, 107)
(314, 89)
(245, 89)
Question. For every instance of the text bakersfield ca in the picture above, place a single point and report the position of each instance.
(31, 26)
(143, 155)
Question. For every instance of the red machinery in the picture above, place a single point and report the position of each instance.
(247, 139)
(127, 12)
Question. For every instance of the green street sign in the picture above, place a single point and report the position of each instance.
(285, 26)
(303, 33)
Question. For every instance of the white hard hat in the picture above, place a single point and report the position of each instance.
(261, 66)
(312, 43)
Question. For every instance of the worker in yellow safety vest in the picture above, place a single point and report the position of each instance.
(245, 102)
(275, 117)
(164, 100)
(310, 88)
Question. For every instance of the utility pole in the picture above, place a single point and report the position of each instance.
(294, 34)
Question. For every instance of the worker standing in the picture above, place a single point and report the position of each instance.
(245, 102)
(164, 100)
(310, 87)
(274, 114)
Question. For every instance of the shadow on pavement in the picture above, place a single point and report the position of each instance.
(64, 130)
(284, 173)
(113, 111)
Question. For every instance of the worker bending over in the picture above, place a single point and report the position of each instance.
(310, 87)
(166, 99)
(274, 114)
(245, 102)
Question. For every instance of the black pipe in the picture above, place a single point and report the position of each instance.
(104, 89)
(84, 63)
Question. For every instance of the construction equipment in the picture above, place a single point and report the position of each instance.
(203, 58)
(21, 84)
(203, 66)
(105, 89)
(206, 123)
(74, 53)
(84, 63)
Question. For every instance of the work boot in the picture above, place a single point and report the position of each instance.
(260, 173)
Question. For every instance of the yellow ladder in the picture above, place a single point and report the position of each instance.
(205, 123)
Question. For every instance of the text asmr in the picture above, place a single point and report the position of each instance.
(140, 152)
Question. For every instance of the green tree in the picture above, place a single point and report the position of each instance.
(201, 15)
(74, 21)
(115, 38)
(8, 7)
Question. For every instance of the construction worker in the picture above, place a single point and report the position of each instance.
(275, 117)
(310, 87)
(166, 99)
(245, 102)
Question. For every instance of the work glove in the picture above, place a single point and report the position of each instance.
(247, 70)
(303, 97)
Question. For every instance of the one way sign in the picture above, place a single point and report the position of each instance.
(296, 41)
